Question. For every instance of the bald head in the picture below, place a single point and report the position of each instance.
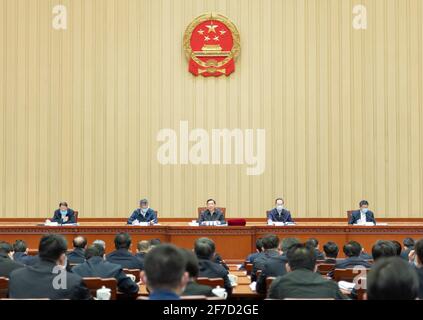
(80, 242)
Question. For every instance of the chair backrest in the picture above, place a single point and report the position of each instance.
(201, 209)
(212, 282)
(267, 214)
(347, 274)
(32, 252)
(134, 272)
(248, 267)
(93, 284)
(349, 214)
(76, 215)
(325, 268)
(269, 281)
(4, 287)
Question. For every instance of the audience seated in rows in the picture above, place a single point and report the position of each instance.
(21, 255)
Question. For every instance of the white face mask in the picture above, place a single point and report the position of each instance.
(279, 207)
(364, 210)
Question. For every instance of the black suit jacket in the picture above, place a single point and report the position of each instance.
(350, 263)
(97, 267)
(207, 216)
(25, 259)
(57, 217)
(304, 283)
(125, 259)
(273, 267)
(210, 269)
(260, 262)
(7, 265)
(195, 289)
(405, 253)
(37, 282)
(285, 215)
(76, 256)
(356, 215)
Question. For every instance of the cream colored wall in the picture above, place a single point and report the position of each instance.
(80, 109)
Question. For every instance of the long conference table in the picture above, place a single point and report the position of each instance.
(233, 243)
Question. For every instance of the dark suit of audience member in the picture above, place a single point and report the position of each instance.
(283, 216)
(57, 217)
(351, 262)
(405, 253)
(76, 256)
(8, 265)
(366, 256)
(210, 269)
(97, 267)
(206, 215)
(260, 262)
(25, 259)
(301, 281)
(273, 267)
(330, 261)
(125, 259)
(319, 254)
(195, 289)
(356, 216)
(149, 216)
(141, 256)
(218, 259)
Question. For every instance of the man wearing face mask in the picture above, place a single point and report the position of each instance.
(143, 214)
(279, 213)
(363, 215)
(64, 214)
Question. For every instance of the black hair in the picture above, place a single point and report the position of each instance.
(277, 199)
(19, 246)
(398, 247)
(301, 256)
(203, 249)
(383, 249)
(331, 249)
(63, 204)
(287, 243)
(155, 242)
(94, 250)
(392, 279)
(122, 241)
(259, 244)
(352, 249)
(409, 243)
(210, 200)
(191, 263)
(51, 247)
(164, 267)
(5, 247)
(313, 242)
(418, 247)
(363, 203)
(270, 241)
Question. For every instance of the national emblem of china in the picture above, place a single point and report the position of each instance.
(212, 44)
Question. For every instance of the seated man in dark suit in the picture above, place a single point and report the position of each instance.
(165, 273)
(331, 251)
(271, 249)
(77, 255)
(352, 250)
(314, 243)
(211, 214)
(193, 288)
(64, 215)
(21, 254)
(207, 267)
(142, 249)
(216, 256)
(362, 215)
(408, 246)
(392, 279)
(253, 256)
(96, 266)
(275, 266)
(302, 281)
(143, 214)
(48, 278)
(7, 264)
(122, 256)
(279, 213)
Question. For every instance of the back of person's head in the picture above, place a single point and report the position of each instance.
(191, 263)
(312, 242)
(155, 242)
(143, 246)
(52, 247)
(203, 249)
(287, 243)
(418, 248)
(397, 246)
(5, 247)
(259, 244)
(383, 249)
(20, 246)
(408, 242)
(301, 256)
(100, 243)
(331, 250)
(352, 249)
(165, 268)
(79, 242)
(270, 241)
(94, 250)
(392, 279)
(122, 241)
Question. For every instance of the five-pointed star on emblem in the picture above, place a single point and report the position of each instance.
(222, 32)
(216, 38)
(201, 31)
(206, 38)
(212, 27)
